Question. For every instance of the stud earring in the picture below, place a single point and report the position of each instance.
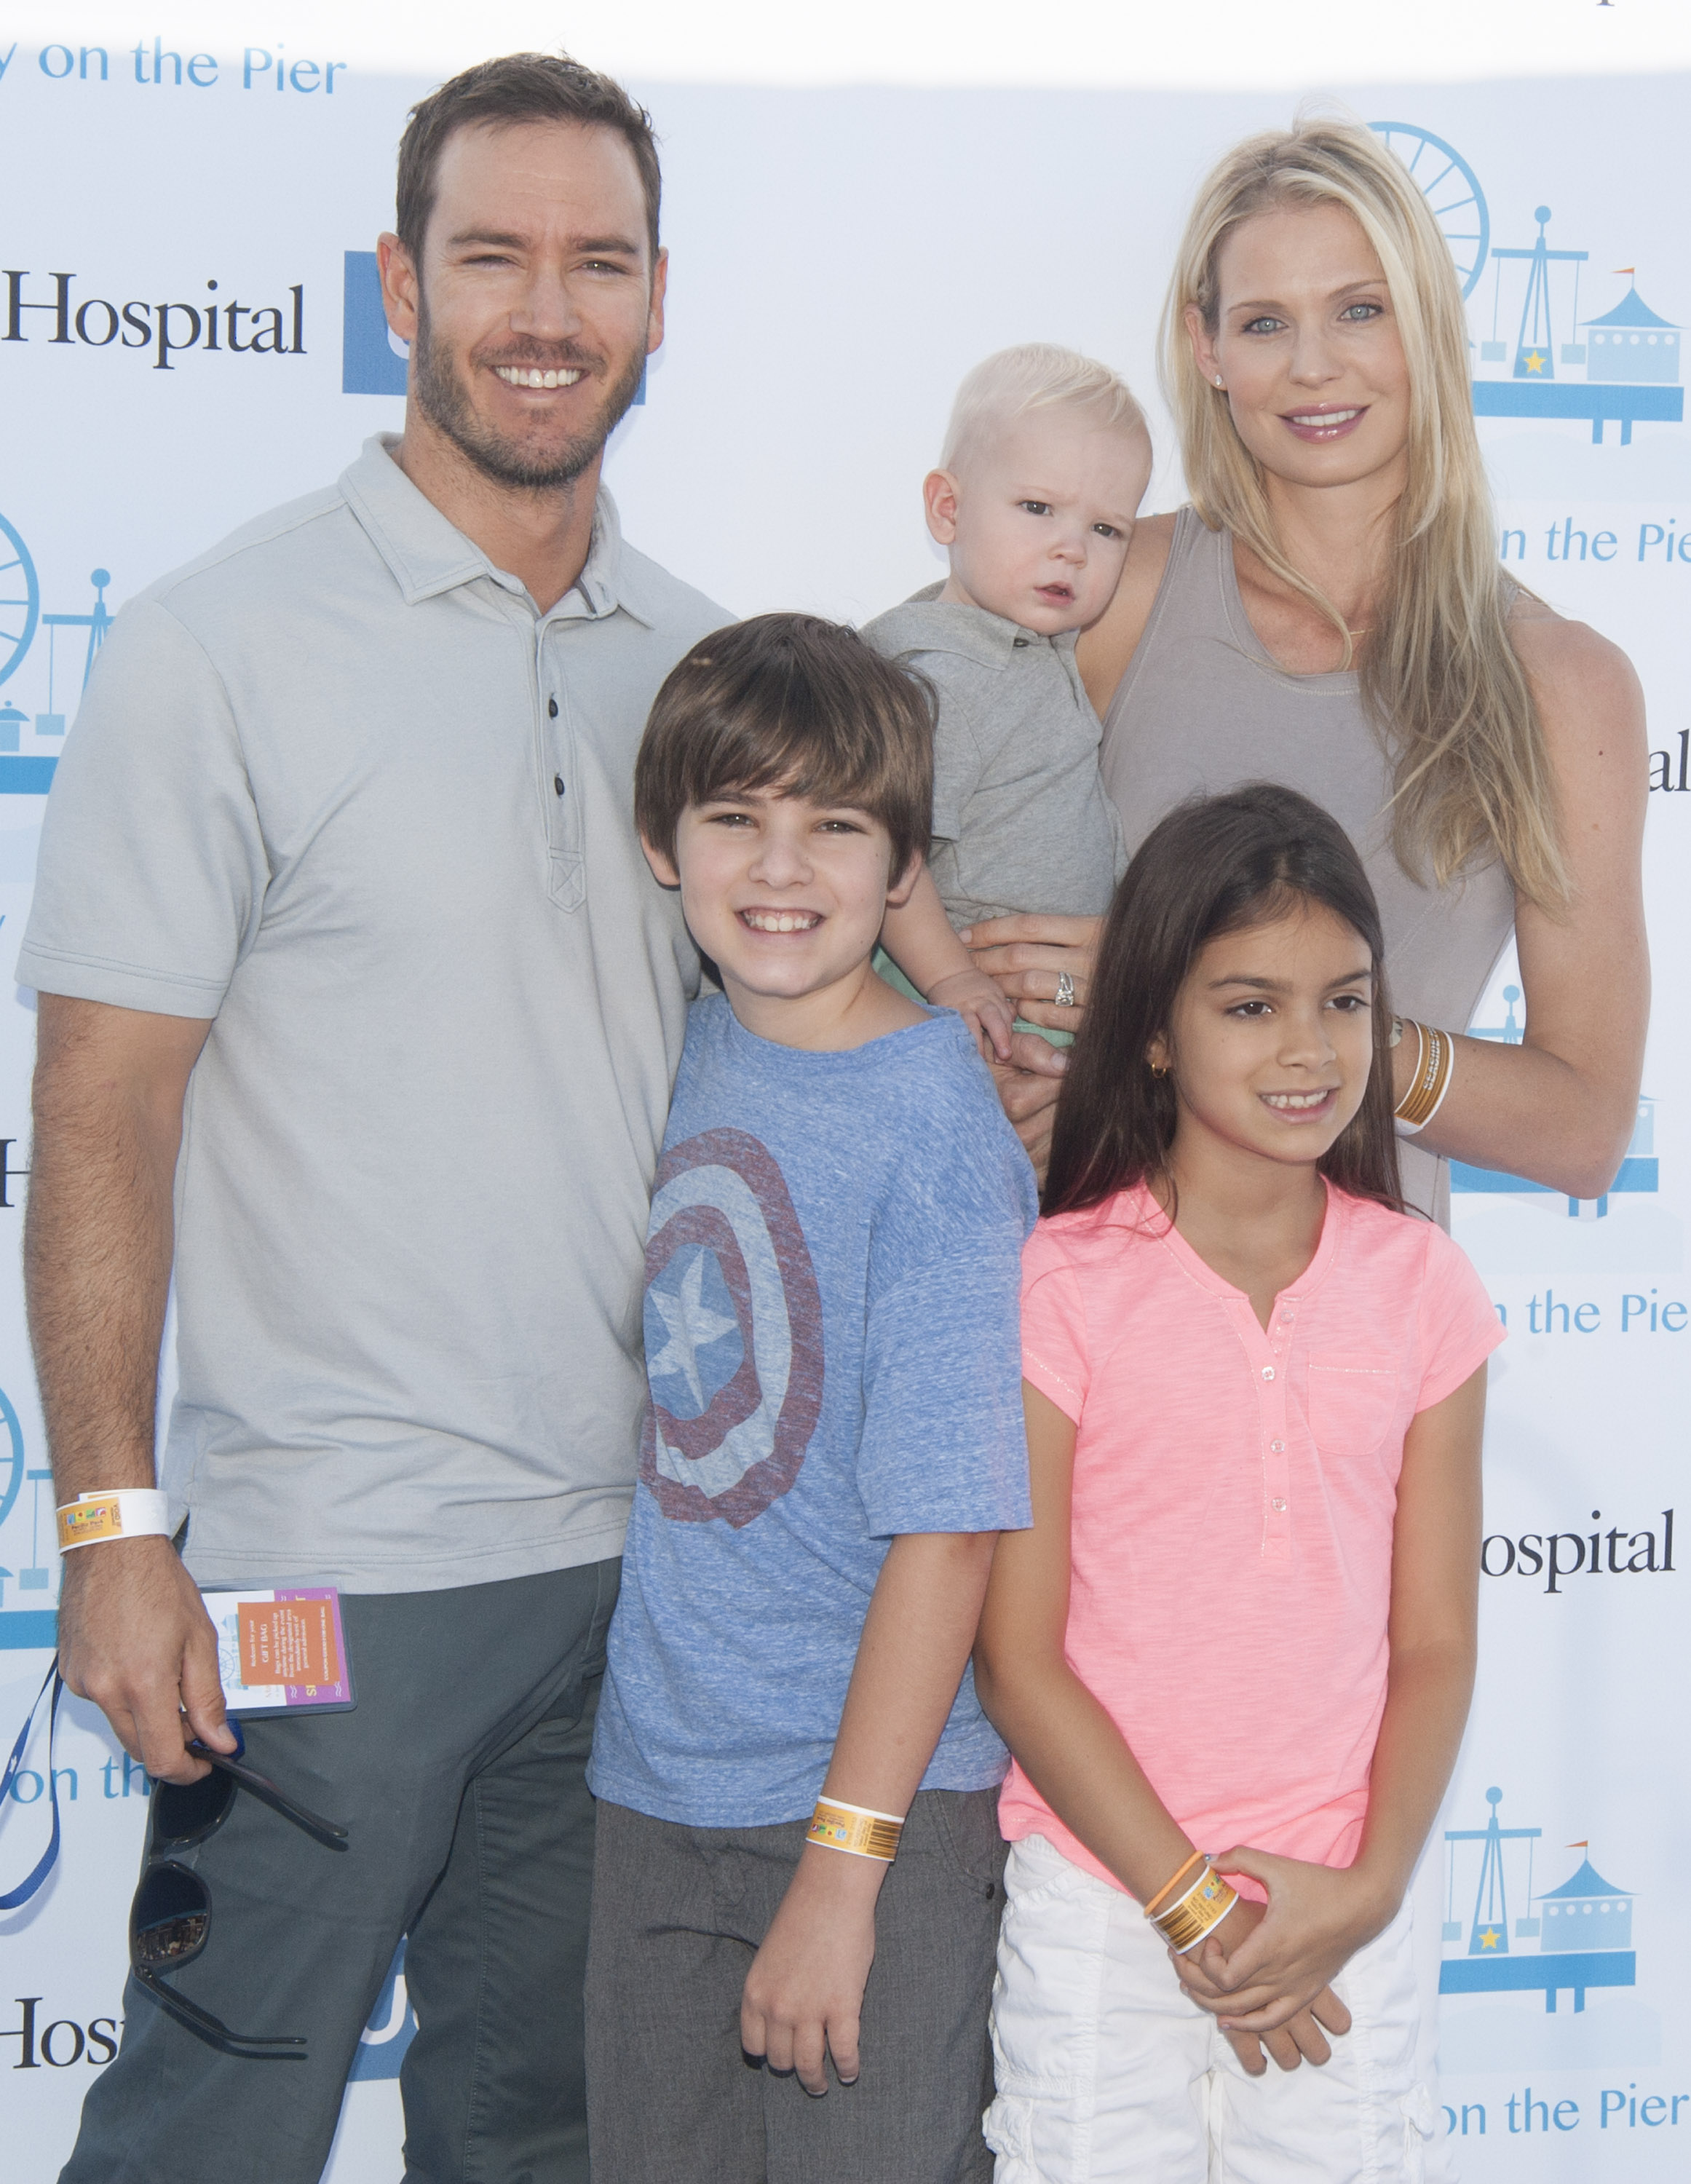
(1220, 381)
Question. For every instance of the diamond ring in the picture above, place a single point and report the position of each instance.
(1066, 990)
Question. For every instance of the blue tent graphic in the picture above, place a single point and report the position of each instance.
(1632, 342)
(1587, 1912)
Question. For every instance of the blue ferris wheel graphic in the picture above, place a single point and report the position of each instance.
(11, 1457)
(19, 603)
(1452, 190)
(20, 620)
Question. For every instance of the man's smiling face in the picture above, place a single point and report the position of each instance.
(538, 300)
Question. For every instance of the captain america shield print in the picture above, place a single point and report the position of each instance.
(733, 1322)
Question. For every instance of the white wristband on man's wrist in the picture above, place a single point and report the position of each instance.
(127, 1513)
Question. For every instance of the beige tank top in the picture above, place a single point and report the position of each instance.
(1202, 708)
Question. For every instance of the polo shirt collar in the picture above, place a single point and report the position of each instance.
(927, 623)
(428, 554)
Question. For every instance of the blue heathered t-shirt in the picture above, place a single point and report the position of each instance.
(833, 1349)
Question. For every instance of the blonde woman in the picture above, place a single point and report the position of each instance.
(1329, 613)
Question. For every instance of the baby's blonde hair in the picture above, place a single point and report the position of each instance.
(1035, 375)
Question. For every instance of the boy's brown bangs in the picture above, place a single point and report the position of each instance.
(797, 704)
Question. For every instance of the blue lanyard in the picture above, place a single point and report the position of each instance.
(27, 1887)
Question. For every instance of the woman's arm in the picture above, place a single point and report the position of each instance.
(1105, 651)
(1318, 1916)
(1067, 1744)
(804, 1991)
(1560, 1107)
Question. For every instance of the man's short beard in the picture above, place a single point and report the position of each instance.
(444, 399)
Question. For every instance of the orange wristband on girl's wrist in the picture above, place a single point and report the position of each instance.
(1169, 1885)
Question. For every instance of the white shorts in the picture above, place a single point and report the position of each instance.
(1106, 2072)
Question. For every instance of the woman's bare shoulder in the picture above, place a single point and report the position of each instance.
(1578, 676)
(1106, 649)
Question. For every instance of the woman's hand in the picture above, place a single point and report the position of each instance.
(1316, 1918)
(1027, 956)
(1027, 1086)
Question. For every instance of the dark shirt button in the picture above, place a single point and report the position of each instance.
(552, 707)
(558, 782)
(1018, 642)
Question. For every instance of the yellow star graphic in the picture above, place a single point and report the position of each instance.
(1490, 1938)
(1535, 362)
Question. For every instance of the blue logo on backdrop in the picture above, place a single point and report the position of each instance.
(21, 620)
(372, 362)
(1640, 1171)
(1582, 1930)
(392, 2029)
(1628, 368)
(22, 1627)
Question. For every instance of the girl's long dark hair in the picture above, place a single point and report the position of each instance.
(1214, 864)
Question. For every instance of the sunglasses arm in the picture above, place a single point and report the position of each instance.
(329, 1833)
(283, 2047)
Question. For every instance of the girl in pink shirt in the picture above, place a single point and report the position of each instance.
(1243, 1621)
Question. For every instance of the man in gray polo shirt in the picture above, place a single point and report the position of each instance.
(342, 926)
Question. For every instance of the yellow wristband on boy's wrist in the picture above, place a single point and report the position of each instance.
(855, 1829)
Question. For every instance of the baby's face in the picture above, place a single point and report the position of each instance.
(1038, 519)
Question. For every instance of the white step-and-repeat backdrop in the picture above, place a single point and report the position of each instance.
(189, 333)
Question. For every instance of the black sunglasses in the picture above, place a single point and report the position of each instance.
(170, 1921)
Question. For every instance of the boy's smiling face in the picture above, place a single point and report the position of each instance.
(1038, 518)
(785, 896)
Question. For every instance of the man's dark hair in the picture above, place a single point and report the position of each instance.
(515, 88)
(1214, 864)
(792, 702)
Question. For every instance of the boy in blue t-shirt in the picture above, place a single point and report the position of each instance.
(798, 1855)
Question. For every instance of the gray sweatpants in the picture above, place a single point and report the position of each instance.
(461, 1776)
(678, 1915)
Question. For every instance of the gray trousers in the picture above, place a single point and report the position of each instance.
(461, 1776)
(678, 1915)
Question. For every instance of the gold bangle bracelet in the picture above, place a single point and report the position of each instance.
(855, 1829)
(1435, 1060)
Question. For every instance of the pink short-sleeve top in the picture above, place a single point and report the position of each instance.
(1234, 1494)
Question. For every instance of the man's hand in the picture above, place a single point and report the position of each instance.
(803, 1994)
(135, 1638)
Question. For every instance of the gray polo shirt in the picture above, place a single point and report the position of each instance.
(339, 787)
(1020, 820)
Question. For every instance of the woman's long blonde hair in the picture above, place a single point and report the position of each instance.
(1439, 674)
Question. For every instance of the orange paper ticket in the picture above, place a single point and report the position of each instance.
(288, 1641)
